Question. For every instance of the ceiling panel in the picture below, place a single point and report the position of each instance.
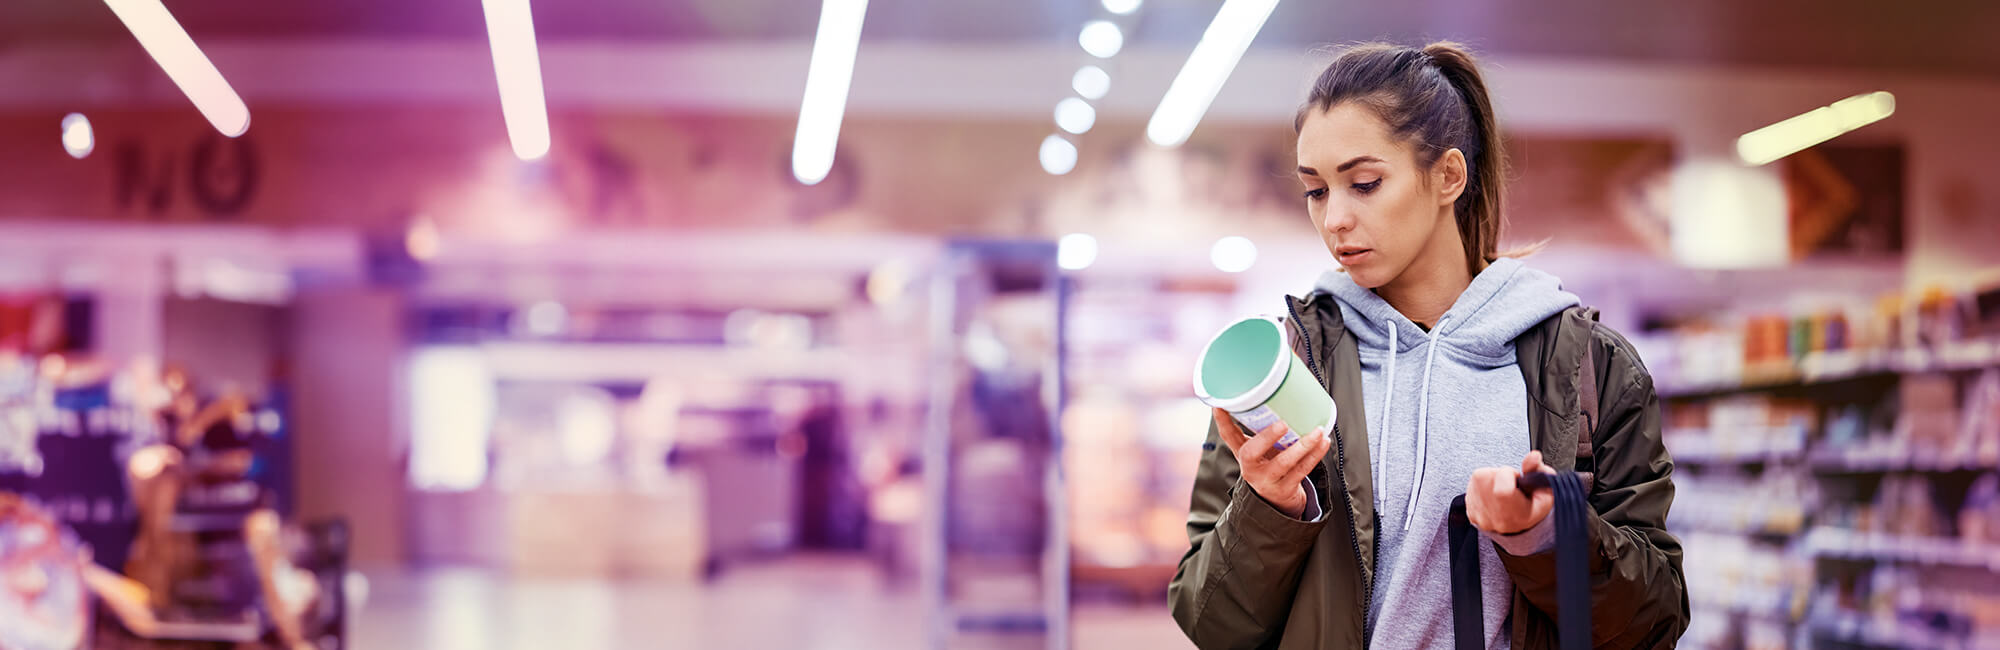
(1951, 37)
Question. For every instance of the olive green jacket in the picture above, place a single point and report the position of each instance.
(1256, 578)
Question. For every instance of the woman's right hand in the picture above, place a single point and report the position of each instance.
(1278, 475)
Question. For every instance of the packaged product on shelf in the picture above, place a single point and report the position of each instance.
(1942, 318)
(1979, 519)
(1933, 607)
(1765, 635)
(1661, 350)
(1768, 349)
(1686, 417)
(1907, 507)
(1707, 355)
(1776, 503)
(1979, 428)
(1737, 575)
(1985, 311)
(1927, 415)
(1888, 322)
(1748, 427)
(1864, 436)
(1849, 425)
(1834, 334)
(1800, 343)
(1982, 609)
(1842, 518)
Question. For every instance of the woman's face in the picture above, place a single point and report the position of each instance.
(1376, 210)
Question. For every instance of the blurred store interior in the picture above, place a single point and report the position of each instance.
(848, 324)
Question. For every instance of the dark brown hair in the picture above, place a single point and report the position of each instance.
(1435, 98)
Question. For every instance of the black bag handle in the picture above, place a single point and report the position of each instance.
(1572, 565)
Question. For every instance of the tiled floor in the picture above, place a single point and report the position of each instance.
(804, 603)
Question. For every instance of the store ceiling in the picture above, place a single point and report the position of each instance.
(1942, 37)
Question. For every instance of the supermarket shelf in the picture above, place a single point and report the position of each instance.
(1755, 613)
(1773, 529)
(1761, 381)
(1857, 631)
(1829, 367)
(1754, 458)
(1874, 461)
(1829, 543)
(1702, 447)
(1744, 518)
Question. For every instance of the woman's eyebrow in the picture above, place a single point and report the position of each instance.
(1343, 166)
(1355, 161)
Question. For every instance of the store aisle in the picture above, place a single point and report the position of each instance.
(801, 602)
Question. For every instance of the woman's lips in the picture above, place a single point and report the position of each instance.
(1351, 256)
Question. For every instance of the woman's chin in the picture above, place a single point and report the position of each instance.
(1366, 277)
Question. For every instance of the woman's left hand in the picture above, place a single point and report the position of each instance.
(1495, 505)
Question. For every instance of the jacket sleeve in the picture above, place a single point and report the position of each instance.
(1235, 585)
(1638, 593)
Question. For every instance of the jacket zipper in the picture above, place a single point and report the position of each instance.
(1340, 469)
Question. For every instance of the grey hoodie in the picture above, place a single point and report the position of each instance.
(1441, 404)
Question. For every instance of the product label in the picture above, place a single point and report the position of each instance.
(1261, 418)
(1257, 419)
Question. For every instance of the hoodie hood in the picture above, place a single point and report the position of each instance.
(1503, 301)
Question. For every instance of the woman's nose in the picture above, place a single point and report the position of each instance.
(1338, 219)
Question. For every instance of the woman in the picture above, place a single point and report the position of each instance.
(1455, 369)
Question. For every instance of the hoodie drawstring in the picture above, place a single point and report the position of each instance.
(1423, 419)
(1381, 428)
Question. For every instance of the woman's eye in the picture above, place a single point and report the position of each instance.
(1315, 193)
(1368, 187)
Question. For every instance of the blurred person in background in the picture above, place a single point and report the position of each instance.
(210, 543)
(1428, 333)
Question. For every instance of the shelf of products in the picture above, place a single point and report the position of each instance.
(1839, 472)
(1830, 367)
(1130, 347)
(1742, 590)
(1936, 330)
(1746, 445)
(1946, 551)
(1856, 631)
(1907, 607)
(1777, 504)
(1782, 615)
(1739, 430)
(1868, 461)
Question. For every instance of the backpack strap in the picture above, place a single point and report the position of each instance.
(1572, 491)
(1571, 512)
(1468, 613)
(1572, 562)
(1587, 380)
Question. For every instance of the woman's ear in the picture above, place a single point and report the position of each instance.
(1448, 176)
